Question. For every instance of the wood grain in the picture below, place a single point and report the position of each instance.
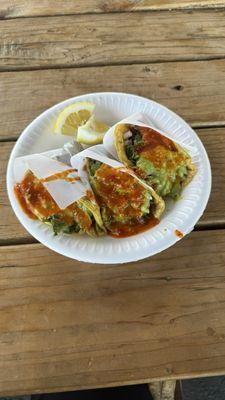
(115, 38)
(195, 90)
(66, 325)
(10, 228)
(32, 8)
(214, 142)
(11, 231)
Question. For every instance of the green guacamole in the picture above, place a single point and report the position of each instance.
(165, 176)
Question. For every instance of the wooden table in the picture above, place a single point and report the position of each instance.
(65, 325)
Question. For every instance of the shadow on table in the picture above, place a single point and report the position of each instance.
(140, 392)
(192, 389)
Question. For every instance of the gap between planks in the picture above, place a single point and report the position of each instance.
(30, 8)
(112, 64)
(185, 87)
(200, 227)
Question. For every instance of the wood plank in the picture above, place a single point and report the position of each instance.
(66, 325)
(105, 39)
(195, 90)
(32, 8)
(214, 140)
(10, 228)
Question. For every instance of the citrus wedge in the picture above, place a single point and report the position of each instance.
(72, 117)
(92, 132)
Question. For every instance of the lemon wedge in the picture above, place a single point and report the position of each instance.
(72, 117)
(92, 132)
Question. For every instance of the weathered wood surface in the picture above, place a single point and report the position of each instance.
(10, 228)
(32, 8)
(214, 140)
(114, 38)
(195, 90)
(66, 325)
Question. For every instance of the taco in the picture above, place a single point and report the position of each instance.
(81, 216)
(160, 161)
(128, 206)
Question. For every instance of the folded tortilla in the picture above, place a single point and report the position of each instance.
(52, 192)
(127, 204)
(161, 162)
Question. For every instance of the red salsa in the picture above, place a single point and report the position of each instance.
(34, 199)
(156, 147)
(122, 195)
(129, 229)
(179, 233)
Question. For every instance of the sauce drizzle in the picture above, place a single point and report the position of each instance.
(179, 233)
(62, 175)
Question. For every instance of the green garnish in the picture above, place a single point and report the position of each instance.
(93, 165)
(58, 225)
(132, 144)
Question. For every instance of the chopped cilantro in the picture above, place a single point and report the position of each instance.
(58, 225)
(137, 138)
(93, 165)
(132, 145)
(131, 153)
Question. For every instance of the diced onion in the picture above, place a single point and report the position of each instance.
(127, 135)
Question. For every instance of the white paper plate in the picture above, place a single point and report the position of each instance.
(182, 215)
